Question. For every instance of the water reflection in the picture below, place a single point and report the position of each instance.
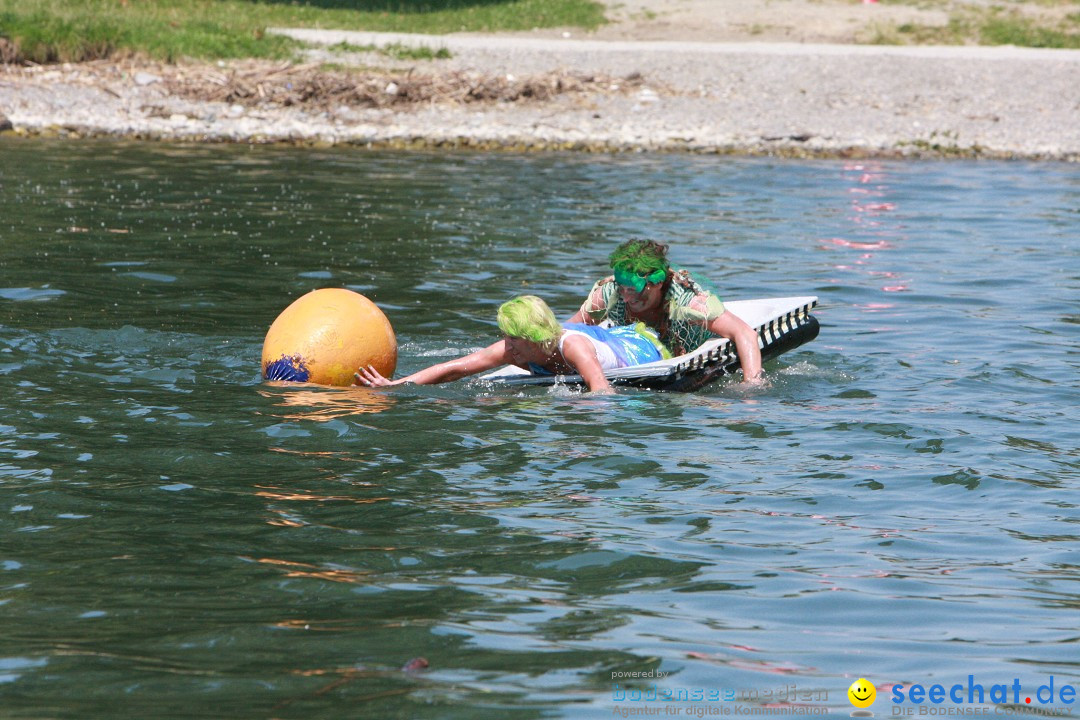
(324, 404)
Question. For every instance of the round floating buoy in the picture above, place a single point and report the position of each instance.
(326, 336)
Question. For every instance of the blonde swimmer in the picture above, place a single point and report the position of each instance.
(534, 340)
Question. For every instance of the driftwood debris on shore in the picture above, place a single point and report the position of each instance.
(314, 86)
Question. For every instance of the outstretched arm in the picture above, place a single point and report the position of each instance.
(580, 355)
(733, 328)
(476, 362)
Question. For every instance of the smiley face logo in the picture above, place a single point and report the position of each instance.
(861, 693)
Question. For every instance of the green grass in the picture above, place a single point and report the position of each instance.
(1017, 31)
(46, 31)
(992, 25)
(396, 51)
(1010, 30)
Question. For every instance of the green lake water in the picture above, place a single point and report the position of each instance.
(179, 539)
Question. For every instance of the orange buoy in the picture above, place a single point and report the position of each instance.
(325, 336)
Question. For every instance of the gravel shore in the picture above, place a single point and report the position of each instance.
(542, 93)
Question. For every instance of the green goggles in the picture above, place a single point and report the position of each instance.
(637, 280)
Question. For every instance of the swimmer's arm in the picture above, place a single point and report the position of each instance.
(732, 327)
(491, 357)
(581, 355)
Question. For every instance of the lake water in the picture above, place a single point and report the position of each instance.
(179, 540)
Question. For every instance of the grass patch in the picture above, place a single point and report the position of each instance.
(958, 32)
(1018, 31)
(45, 31)
(993, 31)
(404, 52)
(1031, 23)
(396, 51)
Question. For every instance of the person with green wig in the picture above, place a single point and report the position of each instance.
(534, 340)
(644, 288)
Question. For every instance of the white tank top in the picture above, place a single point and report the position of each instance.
(604, 354)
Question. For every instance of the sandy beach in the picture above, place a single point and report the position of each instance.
(783, 78)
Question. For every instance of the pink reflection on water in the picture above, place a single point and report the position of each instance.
(870, 208)
(780, 668)
(873, 207)
(879, 245)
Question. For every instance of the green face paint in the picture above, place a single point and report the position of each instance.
(636, 281)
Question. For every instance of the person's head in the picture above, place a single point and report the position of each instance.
(529, 318)
(640, 266)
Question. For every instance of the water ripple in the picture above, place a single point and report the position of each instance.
(900, 503)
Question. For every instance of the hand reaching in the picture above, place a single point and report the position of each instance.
(370, 377)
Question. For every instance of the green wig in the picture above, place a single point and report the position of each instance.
(527, 317)
(640, 257)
